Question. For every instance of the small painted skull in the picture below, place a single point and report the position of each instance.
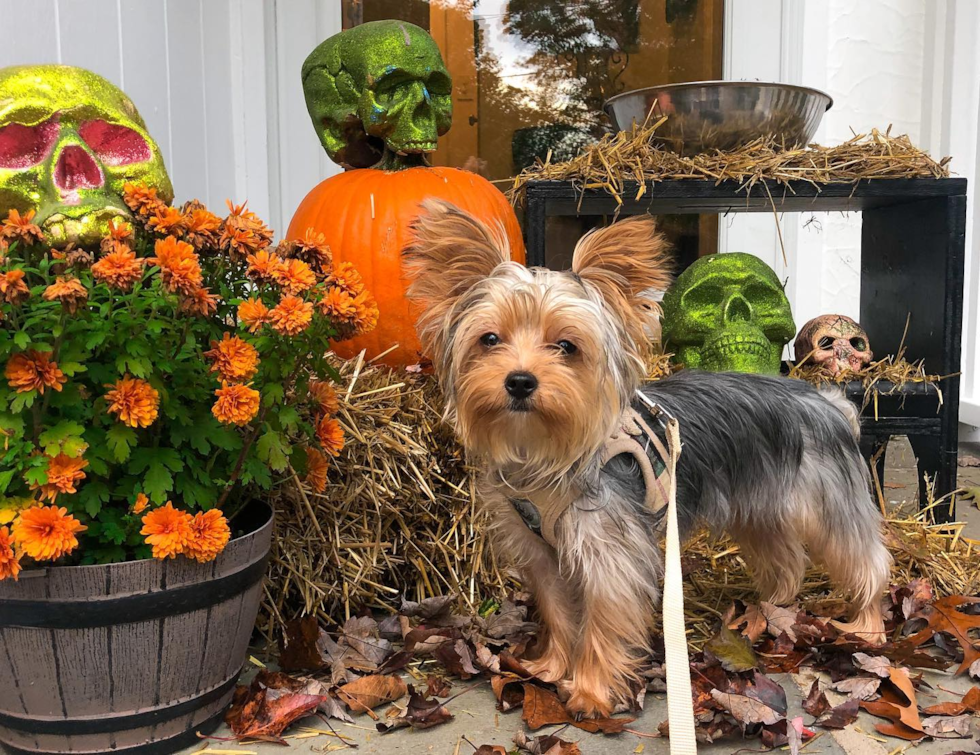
(835, 342)
(378, 88)
(69, 141)
(727, 313)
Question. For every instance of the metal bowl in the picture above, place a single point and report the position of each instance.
(703, 116)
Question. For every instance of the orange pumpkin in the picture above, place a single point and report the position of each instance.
(365, 216)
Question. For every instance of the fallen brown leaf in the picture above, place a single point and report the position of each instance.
(752, 623)
(875, 664)
(943, 616)
(297, 646)
(368, 692)
(437, 686)
(898, 704)
(779, 619)
(267, 706)
(419, 713)
(858, 687)
(745, 710)
(732, 651)
(841, 716)
(816, 703)
(545, 745)
(543, 708)
(947, 727)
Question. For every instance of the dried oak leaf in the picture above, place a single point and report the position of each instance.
(361, 695)
(509, 691)
(545, 745)
(779, 619)
(490, 750)
(509, 620)
(752, 623)
(457, 658)
(858, 687)
(267, 706)
(947, 727)
(543, 708)
(898, 704)
(874, 664)
(944, 615)
(437, 686)
(912, 597)
(429, 608)
(816, 702)
(969, 704)
(732, 651)
(298, 645)
(745, 710)
(419, 713)
(841, 716)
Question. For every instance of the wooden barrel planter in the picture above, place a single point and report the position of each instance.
(128, 658)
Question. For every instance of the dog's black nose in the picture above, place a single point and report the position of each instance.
(520, 385)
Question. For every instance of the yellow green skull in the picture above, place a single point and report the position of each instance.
(727, 313)
(376, 90)
(69, 140)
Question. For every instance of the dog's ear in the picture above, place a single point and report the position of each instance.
(629, 256)
(450, 252)
(624, 261)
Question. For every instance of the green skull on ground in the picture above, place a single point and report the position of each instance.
(378, 90)
(727, 313)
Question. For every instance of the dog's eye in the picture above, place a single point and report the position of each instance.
(489, 339)
(567, 347)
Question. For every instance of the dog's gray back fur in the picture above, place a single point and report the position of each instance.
(750, 442)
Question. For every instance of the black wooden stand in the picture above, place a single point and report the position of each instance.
(912, 256)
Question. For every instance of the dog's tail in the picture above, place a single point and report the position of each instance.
(840, 402)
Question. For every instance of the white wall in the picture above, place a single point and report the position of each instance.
(217, 82)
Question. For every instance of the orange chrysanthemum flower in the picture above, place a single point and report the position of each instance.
(64, 473)
(134, 401)
(9, 561)
(34, 371)
(180, 268)
(366, 313)
(325, 395)
(244, 232)
(236, 404)
(167, 530)
(338, 305)
(200, 302)
(166, 220)
(209, 536)
(141, 199)
(291, 316)
(313, 250)
(316, 470)
(201, 226)
(141, 504)
(254, 314)
(345, 277)
(233, 359)
(295, 276)
(46, 533)
(68, 290)
(19, 227)
(119, 269)
(120, 230)
(264, 267)
(331, 436)
(12, 287)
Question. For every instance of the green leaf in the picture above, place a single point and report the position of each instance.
(5, 479)
(272, 449)
(92, 495)
(289, 418)
(158, 482)
(121, 440)
(54, 438)
(22, 339)
(22, 401)
(71, 368)
(36, 476)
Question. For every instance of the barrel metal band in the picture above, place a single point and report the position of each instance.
(89, 613)
(113, 723)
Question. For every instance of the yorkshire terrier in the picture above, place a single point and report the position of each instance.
(541, 368)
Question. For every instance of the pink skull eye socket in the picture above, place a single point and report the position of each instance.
(114, 144)
(23, 146)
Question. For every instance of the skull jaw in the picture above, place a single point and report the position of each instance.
(740, 348)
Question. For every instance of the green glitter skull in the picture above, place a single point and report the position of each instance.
(376, 91)
(727, 313)
(69, 141)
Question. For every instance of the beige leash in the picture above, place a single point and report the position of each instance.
(680, 709)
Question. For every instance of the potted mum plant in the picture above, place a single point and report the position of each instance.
(151, 388)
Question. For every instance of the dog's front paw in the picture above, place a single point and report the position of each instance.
(588, 703)
(547, 668)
